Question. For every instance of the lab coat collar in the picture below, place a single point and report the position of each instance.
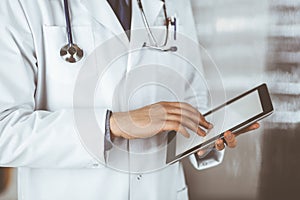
(152, 9)
(103, 13)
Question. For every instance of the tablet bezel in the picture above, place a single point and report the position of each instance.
(267, 107)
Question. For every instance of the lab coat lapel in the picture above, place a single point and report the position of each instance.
(139, 34)
(152, 9)
(103, 13)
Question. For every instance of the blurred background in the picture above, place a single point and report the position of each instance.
(251, 42)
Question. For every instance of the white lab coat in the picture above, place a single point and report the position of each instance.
(38, 130)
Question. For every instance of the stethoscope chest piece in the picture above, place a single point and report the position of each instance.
(71, 53)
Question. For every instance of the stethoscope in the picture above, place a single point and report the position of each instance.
(72, 53)
(168, 21)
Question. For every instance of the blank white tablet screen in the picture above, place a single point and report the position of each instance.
(223, 119)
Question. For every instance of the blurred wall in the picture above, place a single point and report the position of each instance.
(8, 179)
(252, 42)
(3, 179)
(234, 33)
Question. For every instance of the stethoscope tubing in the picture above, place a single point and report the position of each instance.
(73, 53)
(155, 45)
(70, 52)
(145, 21)
(68, 22)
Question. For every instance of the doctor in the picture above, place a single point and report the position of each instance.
(39, 131)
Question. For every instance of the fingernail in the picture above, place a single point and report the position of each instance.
(210, 126)
(200, 153)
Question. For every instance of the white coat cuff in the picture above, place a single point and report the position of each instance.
(107, 142)
(93, 136)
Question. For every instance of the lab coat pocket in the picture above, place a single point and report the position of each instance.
(161, 34)
(55, 37)
(182, 194)
(61, 76)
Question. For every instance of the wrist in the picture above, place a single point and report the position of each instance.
(113, 126)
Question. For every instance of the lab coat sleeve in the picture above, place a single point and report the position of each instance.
(212, 157)
(38, 138)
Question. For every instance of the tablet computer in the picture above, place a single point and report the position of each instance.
(233, 115)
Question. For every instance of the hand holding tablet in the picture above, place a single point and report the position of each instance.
(234, 115)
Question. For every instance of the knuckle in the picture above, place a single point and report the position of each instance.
(177, 118)
(175, 110)
(202, 119)
(174, 125)
(184, 104)
(220, 144)
(162, 103)
(220, 147)
(180, 103)
(201, 132)
(188, 105)
(232, 145)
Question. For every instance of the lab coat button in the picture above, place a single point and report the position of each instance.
(95, 165)
(139, 177)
